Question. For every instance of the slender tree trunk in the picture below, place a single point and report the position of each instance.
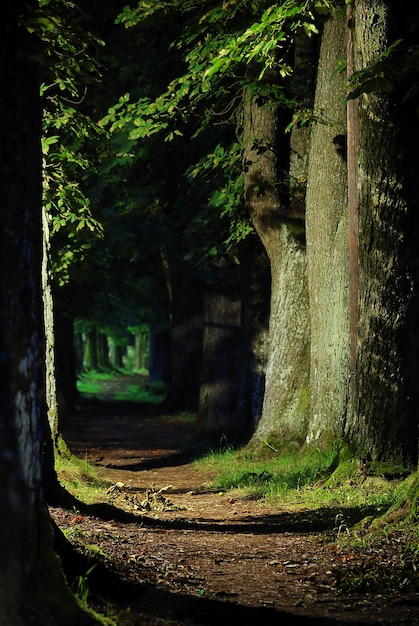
(65, 357)
(50, 369)
(90, 350)
(186, 343)
(141, 349)
(159, 364)
(220, 368)
(79, 352)
(104, 362)
(327, 244)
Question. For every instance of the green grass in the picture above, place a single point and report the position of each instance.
(79, 477)
(307, 479)
(119, 387)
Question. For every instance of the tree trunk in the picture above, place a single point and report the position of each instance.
(141, 349)
(79, 352)
(186, 343)
(90, 351)
(383, 424)
(159, 364)
(104, 362)
(50, 361)
(285, 408)
(220, 367)
(327, 244)
(32, 586)
(65, 357)
(255, 279)
(116, 353)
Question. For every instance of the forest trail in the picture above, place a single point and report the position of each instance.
(189, 555)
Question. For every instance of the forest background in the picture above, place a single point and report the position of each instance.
(234, 184)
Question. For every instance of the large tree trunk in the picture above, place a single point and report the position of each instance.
(285, 408)
(32, 586)
(383, 424)
(327, 244)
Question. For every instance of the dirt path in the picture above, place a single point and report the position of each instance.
(195, 556)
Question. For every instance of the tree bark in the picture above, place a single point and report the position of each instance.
(104, 362)
(255, 281)
(141, 349)
(186, 343)
(383, 423)
(32, 586)
(327, 244)
(159, 363)
(66, 369)
(220, 368)
(91, 351)
(285, 407)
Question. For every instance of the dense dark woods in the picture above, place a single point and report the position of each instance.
(230, 191)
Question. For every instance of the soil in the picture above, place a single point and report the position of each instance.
(173, 551)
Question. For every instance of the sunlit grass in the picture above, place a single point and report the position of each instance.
(89, 388)
(97, 385)
(80, 478)
(132, 393)
(306, 479)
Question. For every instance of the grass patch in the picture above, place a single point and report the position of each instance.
(89, 388)
(310, 479)
(80, 478)
(141, 394)
(119, 387)
(132, 393)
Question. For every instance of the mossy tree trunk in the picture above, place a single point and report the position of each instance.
(32, 586)
(383, 423)
(327, 243)
(285, 407)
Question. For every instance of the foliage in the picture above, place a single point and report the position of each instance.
(81, 588)
(218, 42)
(213, 54)
(68, 67)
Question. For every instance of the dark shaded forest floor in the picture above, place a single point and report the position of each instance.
(179, 553)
